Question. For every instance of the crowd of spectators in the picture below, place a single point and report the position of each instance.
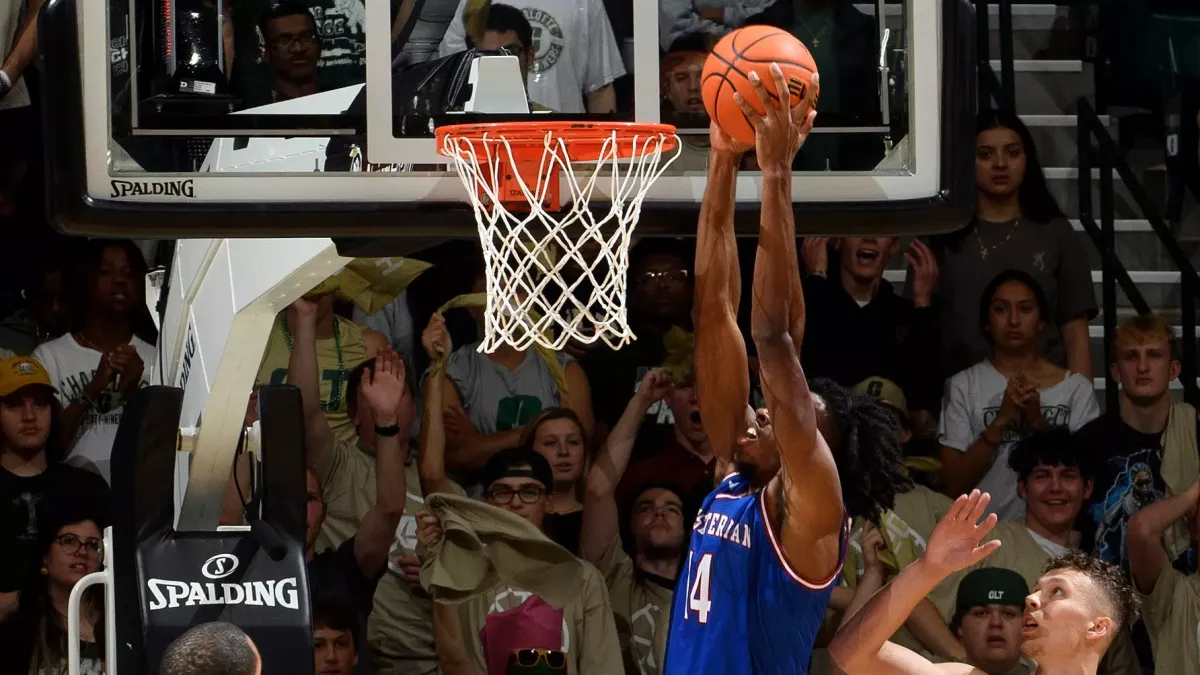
(587, 465)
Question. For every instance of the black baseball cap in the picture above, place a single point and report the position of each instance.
(517, 463)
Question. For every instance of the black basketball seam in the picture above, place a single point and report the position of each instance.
(733, 43)
(735, 69)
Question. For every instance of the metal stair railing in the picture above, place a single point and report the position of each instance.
(1111, 162)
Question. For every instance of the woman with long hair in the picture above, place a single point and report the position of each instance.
(105, 356)
(34, 639)
(1018, 225)
(992, 405)
(558, 435)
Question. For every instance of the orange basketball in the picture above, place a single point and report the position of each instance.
(754, 48)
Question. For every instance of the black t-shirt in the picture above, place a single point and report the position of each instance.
(336, 573)
(1128, 477)
(21, 500)
(564, 529)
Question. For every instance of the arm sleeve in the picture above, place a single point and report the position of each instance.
(954, 427)
(455, 39)
(460, 369)
(331, 466)
(45, 356)
(1084, 407)
(677, 18)
(603, 58)
(1076, 292)
(600, 651)
(395, 322)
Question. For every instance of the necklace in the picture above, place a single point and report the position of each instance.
(985, 250)
(83, 340)
(334, 403)
(814, 39)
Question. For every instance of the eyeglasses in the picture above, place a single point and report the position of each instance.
(70, 544)
(529, 494)
(667, 278)
(305, 40)
(528, 658)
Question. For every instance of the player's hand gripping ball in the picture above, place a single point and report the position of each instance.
(754, 48)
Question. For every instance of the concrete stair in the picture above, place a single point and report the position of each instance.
(1050, 77)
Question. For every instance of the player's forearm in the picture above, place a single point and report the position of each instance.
(716, 245)
(860, 639)
(776, 263)
(926, 624)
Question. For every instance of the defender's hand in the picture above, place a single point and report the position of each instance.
(954, 543)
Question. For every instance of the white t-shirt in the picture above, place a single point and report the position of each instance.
(972, 400)
(10, 23)
(71, 367)
(575, 52)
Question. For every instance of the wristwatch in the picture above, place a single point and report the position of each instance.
(393, 430)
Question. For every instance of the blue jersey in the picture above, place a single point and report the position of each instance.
(739, 609)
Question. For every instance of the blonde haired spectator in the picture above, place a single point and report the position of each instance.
(1146, 449)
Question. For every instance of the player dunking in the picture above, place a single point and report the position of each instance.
(770, 540)
(1075, 611)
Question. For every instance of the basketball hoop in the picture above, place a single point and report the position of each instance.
(557, 272)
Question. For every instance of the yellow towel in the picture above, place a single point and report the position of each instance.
(680, 363)
(371, 283)
(1180, 465)
(899, 552)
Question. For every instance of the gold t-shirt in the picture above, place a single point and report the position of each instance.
(400, 628)
(1172, 615)
(642, 609)
(334, 371)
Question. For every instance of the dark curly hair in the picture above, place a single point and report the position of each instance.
(1052, 447)
(866, 449)
(1111, 581)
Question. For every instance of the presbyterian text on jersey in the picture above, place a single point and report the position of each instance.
(723, 527)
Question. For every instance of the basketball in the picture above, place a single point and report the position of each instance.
(754, 48)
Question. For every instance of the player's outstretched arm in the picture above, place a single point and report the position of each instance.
(861, 646)
(722, 369)
(809, 480)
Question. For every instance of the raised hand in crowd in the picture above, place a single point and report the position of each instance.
(923, 269)
(815, 251)
(436, 338)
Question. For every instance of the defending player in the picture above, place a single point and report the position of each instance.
(1075, 610)
(770, 540)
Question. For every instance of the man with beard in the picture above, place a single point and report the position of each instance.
(639, 587)
(1077, 608)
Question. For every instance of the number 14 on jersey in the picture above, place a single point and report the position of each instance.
(699, 598)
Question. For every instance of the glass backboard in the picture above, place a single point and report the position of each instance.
(317, 117)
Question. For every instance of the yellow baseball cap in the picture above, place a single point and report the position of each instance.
(888, 393)
(20, 372)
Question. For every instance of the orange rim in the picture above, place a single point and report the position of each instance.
(585, 141)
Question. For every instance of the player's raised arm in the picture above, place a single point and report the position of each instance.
(722, 370)
(861, 646)
(809, 477)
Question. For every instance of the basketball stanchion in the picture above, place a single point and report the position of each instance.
(555, 270)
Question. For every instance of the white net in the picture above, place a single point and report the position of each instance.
(556, 277)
